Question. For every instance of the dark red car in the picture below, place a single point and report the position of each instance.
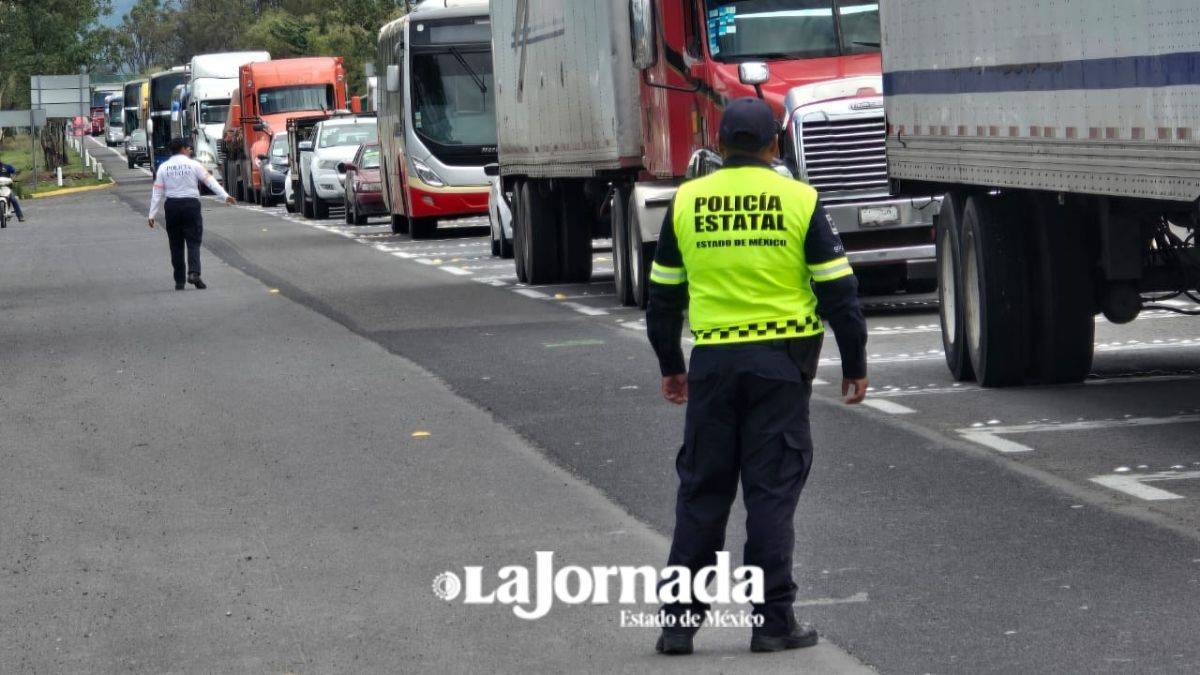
(364, 190)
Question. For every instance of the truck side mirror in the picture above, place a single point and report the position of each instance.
(259, 126)
(641, 28)
(754, 73)
(304, 146)
(393, 78)
(702, 163)
(492, 170)
(343, 167)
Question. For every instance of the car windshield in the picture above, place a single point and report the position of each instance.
(452, 96)
(279, 146)
(138, 136)
(214, 112)
(370, 158)
(292, 99)
(347, 134)
(740, 30)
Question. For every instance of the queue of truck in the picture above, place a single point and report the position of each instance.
(567, 123)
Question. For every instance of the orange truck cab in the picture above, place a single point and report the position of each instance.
(269, 93)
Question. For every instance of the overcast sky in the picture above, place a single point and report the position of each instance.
(118, 11)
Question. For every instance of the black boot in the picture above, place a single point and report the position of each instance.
(194, 279)
(179, 287)
(675, 642)
(802, 635)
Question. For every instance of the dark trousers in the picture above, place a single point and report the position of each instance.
(747, 417)
(184, 228)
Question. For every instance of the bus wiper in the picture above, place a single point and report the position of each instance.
(470, 71)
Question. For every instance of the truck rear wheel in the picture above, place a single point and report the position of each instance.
(422, 228)
(950, 308)
(620, 244)
(1061, 298)
(641, 256)
(995, 314)
(541, 233)
(575, 234)
(518, 227)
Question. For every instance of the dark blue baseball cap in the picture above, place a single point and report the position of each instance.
(748, 125)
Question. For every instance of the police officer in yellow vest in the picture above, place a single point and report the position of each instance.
(757, 263)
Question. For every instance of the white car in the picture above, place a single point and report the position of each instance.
(288, 196)
(500, 221)
(334, 141)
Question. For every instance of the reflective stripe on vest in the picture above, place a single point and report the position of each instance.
(741, 233)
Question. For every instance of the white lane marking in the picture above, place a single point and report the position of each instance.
(1134, 487)
(585, 310)
(991, 436)
(530, 293)
(889, 407)
(818, 382)
(825, 602)
(996, 443)
(455, 271)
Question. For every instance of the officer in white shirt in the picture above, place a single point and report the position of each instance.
(178, 181)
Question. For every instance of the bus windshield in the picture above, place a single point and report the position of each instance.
(452, 96)
(161, 89)
(292, 99)
(742, 30)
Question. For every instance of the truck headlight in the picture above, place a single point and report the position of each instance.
(327, 164)
(426, 174)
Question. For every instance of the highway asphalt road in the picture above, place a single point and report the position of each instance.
(945, 529)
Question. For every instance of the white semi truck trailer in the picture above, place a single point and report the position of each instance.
(1066, 138)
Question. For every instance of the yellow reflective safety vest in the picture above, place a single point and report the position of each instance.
(741, 234)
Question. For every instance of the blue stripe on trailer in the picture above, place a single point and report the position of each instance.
(1127, 72)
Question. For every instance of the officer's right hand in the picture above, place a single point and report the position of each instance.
(859, 388)
(675, 388)
(152, 223)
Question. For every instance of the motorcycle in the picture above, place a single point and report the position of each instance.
(6, 208)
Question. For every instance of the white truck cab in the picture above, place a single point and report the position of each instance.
(214, 79)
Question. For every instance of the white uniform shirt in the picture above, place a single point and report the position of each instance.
(180, 178)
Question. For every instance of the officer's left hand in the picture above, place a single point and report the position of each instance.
(231, 201)
(855, 391)
(675, 388)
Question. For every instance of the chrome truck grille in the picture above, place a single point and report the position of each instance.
(845, 158)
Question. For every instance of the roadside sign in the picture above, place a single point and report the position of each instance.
(22, 118)
(61, 96)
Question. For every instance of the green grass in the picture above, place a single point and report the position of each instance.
(15, 150)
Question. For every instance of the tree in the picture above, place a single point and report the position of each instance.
(148, 35)
(45, 37)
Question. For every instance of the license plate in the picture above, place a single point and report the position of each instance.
(876, 216)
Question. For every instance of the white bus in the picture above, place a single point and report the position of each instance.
(436, 114)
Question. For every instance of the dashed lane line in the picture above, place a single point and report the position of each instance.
(1135, 486)
(889, 407)
(991, 435)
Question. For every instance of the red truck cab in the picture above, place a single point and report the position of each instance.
(269, 93)
(98, 121)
